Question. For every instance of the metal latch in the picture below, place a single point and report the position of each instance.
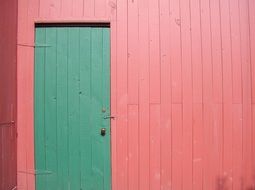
(7, 124)
(109, 117)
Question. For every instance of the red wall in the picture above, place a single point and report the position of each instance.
(183, 90)
(8, 60)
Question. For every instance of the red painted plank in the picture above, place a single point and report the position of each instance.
(217, 123)
(217, 141)
(197, 96)
(22, 132)
(154, 51)
(144, 115)
(155, 177)
(78, 8)
(246, 90)
(89, 9)
(29, 123)
(133, 149)
(114, 99)
(196, 52)
(175, 24)
(208, 180)
(22, 22)
(198, 139)
(252, 44)
(253, 135)
(122, 131)
(237, 147)
(187, 94)
(177, 147)
(226, 178)
(44, 8)
(133, 67)
(66, 9)
(166, 100)
(236, 52)
(100, 8)
(216, 51)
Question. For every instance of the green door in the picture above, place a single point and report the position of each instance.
(72, 105)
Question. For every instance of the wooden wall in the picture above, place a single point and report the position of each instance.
(183, 90)
(8, 60)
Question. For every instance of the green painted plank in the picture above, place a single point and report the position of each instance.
(50, 108)
(62, 107)
(40, 154)
(97, 106)
(106, 104)
(73, 108)
(85, 106)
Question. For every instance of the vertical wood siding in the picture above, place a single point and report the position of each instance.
(182, 90)
(8, 55)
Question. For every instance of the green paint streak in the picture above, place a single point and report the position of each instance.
(72, 87)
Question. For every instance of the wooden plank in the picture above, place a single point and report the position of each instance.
(21, 141)
(196, 53)
(198, 139)
(62, 108)
(237, 147)
(133, 149)
(106, 104)
(66, 9)
(217, 85)
(155, 177)
(154, 51)
(40, 151)
(100, 10)
(73, 108)
(175, 58)
(217, 141)
(226, 178)
(44, 8)
(252, 50)
(133, 43)
(78, 8)
(50, 107)
(85, 104)
(144, 115)
(236, 52)
(89, 8)
(253, 133)
(97, 166)
(2, 160)
(22, 21)
(216, 51)
(177, 147)
(166, 98)
(30, 129)
(187, 94)
(247, 93)
(197, 89)
(252, 44)
(113, 38)
(122, 78)
(208, 180)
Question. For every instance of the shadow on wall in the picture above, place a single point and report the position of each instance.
(221, 184)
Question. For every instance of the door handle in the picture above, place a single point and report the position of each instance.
(103, 131)
(109, 117)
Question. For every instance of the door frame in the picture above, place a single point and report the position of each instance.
(113, 98)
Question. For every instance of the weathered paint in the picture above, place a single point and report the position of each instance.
(72, 105)
(8, 85)
(182, 90)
